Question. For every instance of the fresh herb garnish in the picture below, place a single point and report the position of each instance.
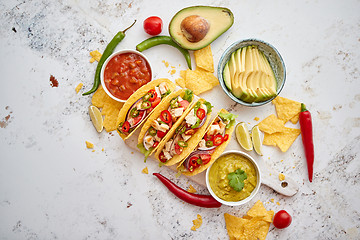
(236, 179)
(188, 96)
(144, 151)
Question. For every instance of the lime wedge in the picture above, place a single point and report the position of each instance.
(96, 118)
(243, 136)
(257, 138)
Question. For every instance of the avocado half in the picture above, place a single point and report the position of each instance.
(219, 20)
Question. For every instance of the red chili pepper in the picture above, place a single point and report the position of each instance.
(200, 113)
(165, 116)
(162, 157)
(307, 138)
(125, 127)
(206, 201)
(153, 95)
(218, 140)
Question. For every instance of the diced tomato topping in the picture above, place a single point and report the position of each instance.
(178, 149)
(184, 104)
(165, 116)
(155, 102)
(138, 118)
(218, 140)
(162, 157)
(160, 134)
(205, 158)
(156, 143)
(200, 113)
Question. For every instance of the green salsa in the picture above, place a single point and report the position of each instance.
(219, 181)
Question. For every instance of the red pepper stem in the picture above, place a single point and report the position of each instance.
(303, 107)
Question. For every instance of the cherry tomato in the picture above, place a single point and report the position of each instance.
(184, 104)
(165, 116)
(138, 117)
(162, 157)
(226, 137)
(205, 158)
(125, 127)
(200, 113)
(153, 25)
(218, 140)
(160, 134)
(282, 219)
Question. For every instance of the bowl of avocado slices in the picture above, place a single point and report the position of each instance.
(251, 72)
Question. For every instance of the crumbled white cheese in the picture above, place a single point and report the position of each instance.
(157, 91)
(214, 129)
(191, 118)
(202, 143)
(160, 127)
(176, 112)
(168, 146)
(149, 141)
(167, 155)
(163, 87)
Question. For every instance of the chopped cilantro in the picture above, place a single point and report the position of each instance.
(236, 179)
(228, 117)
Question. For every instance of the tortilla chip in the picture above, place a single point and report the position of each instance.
(286, 109)
(95, 56)
(235, 226)
(260, 212)
(98, 99)
(191, 189)
(180, 82)
(204, 59)
(111, 112)
(256, 229)
(282, 139)
(271, 125)
(78, 87)
(200, 81)
(197, 223)
(183, 74)
(295, 119)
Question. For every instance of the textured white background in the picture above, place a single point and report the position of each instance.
(52, 187)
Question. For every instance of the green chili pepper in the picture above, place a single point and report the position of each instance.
(182, 144)
(152, 131)
(174, 103)
(209, 143)
(154, 41)
(107, 52)
(147, 96)
(146, 105)
(134, 112)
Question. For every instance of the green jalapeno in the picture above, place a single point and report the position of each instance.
(152, 131)
(134, 112)
(209, 144)
(146, 105)
(182, 144)
(107, 52)
(154, 41)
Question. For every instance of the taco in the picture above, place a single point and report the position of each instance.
(167, 115)
(141, 104)
(180, 140)
(213, 143)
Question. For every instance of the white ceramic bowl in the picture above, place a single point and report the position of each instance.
(253, 193)
(107, 61)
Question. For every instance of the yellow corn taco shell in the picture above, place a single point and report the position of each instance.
(136, 96)
(192, 142)
(164, 105)
(218, 151)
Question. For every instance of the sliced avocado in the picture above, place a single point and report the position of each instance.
(227, 77)
(196, 27)
(271, 84)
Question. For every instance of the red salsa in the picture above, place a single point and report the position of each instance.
(125, 73)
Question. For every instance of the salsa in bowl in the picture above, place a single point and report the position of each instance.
(124, 72)
(234, 178)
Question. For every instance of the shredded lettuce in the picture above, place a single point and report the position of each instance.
(144, 151)
(228, 117)
(208, 106)
(188, 96)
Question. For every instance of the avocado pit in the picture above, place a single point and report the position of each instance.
(194, 28)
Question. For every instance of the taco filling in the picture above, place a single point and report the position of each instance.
(143, 107)
(192, 122)
(214, 137)
(161, 126)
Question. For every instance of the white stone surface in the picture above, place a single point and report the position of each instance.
(53, 187)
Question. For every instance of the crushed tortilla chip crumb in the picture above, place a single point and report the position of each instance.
(78, 87)
(272, 200)
(102, 149)
(281, 177)
(165, 63)
(191, 189)
(172, 72)
(256, 119)
(145, 170)
(278, 203)
(95, 56)
(89, 145)
(197, 223)
(93, 150)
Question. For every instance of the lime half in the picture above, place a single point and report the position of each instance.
(96, 118)
(257, 138)
(243, 136)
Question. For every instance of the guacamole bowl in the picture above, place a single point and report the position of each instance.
(234, 178)
(255, 97)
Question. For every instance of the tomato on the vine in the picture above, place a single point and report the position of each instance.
(153, 25)
(282, 219)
